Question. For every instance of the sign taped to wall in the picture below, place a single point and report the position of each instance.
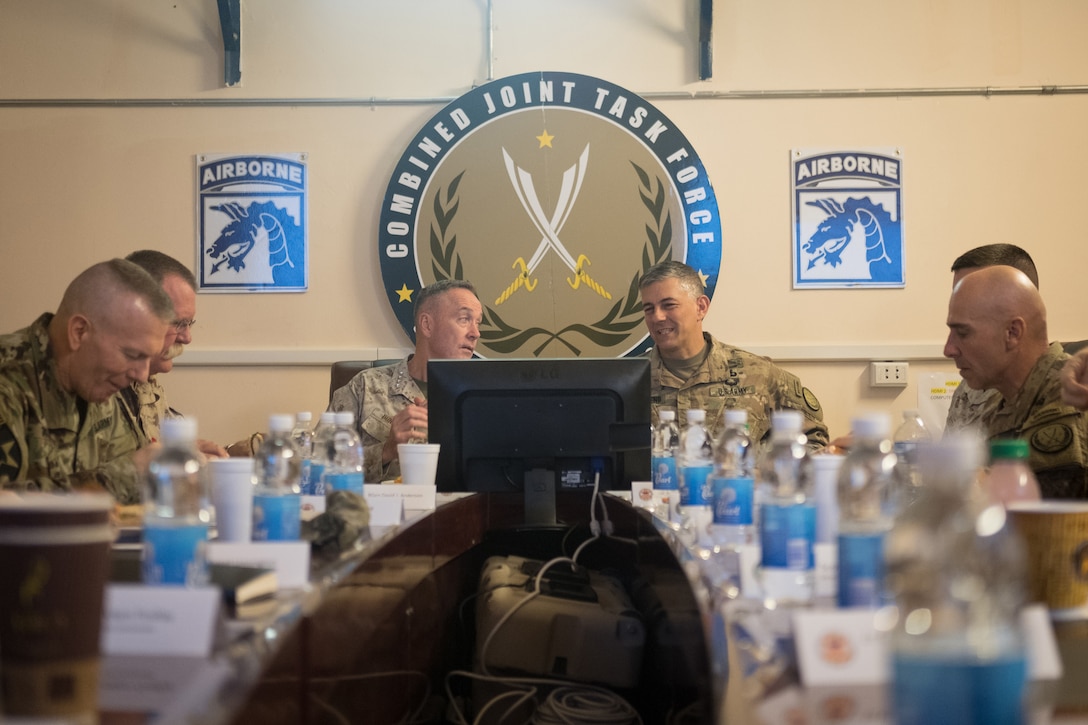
(847, 218)
(252, 223)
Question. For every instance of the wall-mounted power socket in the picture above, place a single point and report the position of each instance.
(888, 374)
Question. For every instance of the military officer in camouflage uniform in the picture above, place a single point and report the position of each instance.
(62, 425)
(390, 402)
(146, 400)
(969, 408)
(998, 340)
(1075, 380)
(690, 369)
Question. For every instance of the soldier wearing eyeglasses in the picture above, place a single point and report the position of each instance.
(146, 400)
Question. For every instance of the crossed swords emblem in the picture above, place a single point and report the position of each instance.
(549, 229)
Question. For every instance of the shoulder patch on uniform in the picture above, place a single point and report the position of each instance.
(11, 455)
(1052, 438)
(810, 399)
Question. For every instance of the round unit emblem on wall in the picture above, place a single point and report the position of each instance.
(552, 193)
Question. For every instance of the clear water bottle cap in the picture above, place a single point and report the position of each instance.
(666, 414)
(736, 416)
(957, 454)
(178, 430)
(872, 425)
(696, 415)
(304, 416)
(280, 423)
(328, 417)
(345, 417)
(910, 413)
(786, 422)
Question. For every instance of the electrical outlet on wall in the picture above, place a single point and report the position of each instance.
(888, 374)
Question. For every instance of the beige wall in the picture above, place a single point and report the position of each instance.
(95, 162)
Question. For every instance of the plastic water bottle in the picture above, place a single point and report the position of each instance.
(276, 499)
(666, 443)
(176, 509)
(1010, 478)
(957, 572)
(787, 519)
(304, 442)
(320, 455)
(696, 464)
(732, 483)
(905, 444)
(866, 479)
(664, 473)
(344, 470)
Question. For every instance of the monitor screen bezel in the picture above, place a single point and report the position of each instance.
(626, 380)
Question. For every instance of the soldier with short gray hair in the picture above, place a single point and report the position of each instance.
(690, 369)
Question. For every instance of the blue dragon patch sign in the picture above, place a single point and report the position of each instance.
(252, 223)
(847, 218)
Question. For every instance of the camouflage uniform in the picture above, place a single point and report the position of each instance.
(146, 403)
(376, 395)
(1057, 433)
(970, 408)
(733, 378)
(45, 442)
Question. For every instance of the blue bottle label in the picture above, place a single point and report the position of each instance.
(174, 554)
(694, 487)
(344, 482)
(277, 518)
(664, 473)
(861, 570)
(311, 478)
(787, 534)
(965, 691)
(733, 499)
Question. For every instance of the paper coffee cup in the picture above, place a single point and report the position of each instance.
(54, 563)
(231, 482)
(1055, 535)
(418, 463)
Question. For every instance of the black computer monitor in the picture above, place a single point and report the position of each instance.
(539, 426)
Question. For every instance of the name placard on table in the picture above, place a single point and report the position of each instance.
(160, 620)
(289, 559)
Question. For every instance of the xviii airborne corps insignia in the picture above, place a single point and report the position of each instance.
(552, 193)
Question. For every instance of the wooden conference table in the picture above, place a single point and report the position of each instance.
(374, 636)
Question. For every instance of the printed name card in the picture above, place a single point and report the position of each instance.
(844, 646)
(290, 559)
(417, 497)
(839, 647)
(386, 503)
(159, 620)
(310, 507)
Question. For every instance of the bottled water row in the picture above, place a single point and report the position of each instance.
(917, 524)
(292, 461)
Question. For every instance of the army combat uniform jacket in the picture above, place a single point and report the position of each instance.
(1057, 433)
(970, 408)
(50, 440)
(376, 395)
(146, 404)
(733, 378)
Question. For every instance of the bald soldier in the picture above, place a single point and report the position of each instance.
(998, 340)
(62, 425)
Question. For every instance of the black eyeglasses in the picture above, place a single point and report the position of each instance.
(183, 325)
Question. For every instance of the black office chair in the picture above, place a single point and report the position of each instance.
(1073, 347)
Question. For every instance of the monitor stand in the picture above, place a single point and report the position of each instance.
(540, 497)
